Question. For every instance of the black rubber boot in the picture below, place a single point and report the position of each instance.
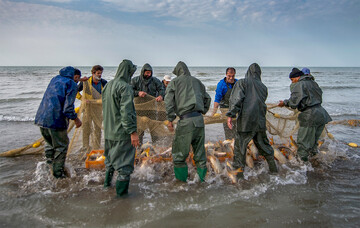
(122, 188)
(272, 165)
(108, 177)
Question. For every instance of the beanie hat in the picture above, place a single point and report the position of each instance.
(295, 72)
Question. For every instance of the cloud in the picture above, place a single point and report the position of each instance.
(238, 10)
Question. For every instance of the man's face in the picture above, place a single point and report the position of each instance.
(97, 74)
(166, 83)
(147, 73)
(230, 76)
(76, 78)
(295, 80)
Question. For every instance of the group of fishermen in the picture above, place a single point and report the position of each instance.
(185, 97)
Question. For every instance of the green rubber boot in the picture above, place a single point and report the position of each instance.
(108, 177)
(202, 173)
(122, 188)
(181, 173)
(272, 166)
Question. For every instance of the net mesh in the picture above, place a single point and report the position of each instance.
(151, 118)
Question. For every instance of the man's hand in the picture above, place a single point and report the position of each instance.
(78, 122)
(159, 98)
(142, 94)
(134, 139)
(229, 123)
(170, 126)
(83, 79)
(281, 104)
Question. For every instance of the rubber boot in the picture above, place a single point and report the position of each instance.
(272, 165)
(108, 177)
(202, 173)
(122, 188)
(240, 175)
(181, 173)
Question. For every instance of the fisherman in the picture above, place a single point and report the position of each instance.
(145, 84)
(247, 101)
(186, 97)
(92, 117)
(222, 96)
(166, 80)
(120, 133)
(55, 110)
(306, 96)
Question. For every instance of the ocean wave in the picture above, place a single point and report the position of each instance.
(339, 87)
(18, 100)
(16, 118)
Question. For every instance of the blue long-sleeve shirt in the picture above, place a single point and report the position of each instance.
(221, 89)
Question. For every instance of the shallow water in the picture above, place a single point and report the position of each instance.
(300, 195)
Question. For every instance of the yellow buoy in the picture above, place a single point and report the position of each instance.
(166, 122)
(217, 115)
(77, 109)
(330, 135)
(353, 144)
(276, 115)
(36, 145)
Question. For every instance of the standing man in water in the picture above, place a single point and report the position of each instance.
(92, 89)
(121, 138)
(186, 97)
(247, 101)
(222, 97)
(55, 110)
(145, 84)
(306, 96)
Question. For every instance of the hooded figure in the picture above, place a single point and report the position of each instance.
(186, 97)
(119, 127)
(55, 110)
(149, 85)
(247, 101)
(306, 96)
(142, 85)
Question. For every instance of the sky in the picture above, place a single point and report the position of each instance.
(198, 32)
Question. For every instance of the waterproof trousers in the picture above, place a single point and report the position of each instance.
(261, 141)
(229, 133)
(56, 145)
(120, 156)
(307, 141)
(189, 132)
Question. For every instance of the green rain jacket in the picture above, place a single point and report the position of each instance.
(306, 96)
(185, 94)
(151, 86)
(247, 100)
(118, 106)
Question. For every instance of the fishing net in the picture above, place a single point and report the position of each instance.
(151, 118)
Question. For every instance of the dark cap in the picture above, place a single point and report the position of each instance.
(295, 72)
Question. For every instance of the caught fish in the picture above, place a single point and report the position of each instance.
(146, 145)
(231, 173)
(209, 145)
(228, 145)
(249, 159)
(220, 154)
(100, 158)
(279, 156)
(215, 164)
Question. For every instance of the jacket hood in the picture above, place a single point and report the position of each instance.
(254, 72)
(125, 71)
(181, 69)
(306, 77)
(67, 72)
(146, 67)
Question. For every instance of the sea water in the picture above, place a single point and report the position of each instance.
(300, 195)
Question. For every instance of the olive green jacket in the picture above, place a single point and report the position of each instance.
(247, 101)
(118, 106)
(306, 96)
(151, 86)
(185, 94)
